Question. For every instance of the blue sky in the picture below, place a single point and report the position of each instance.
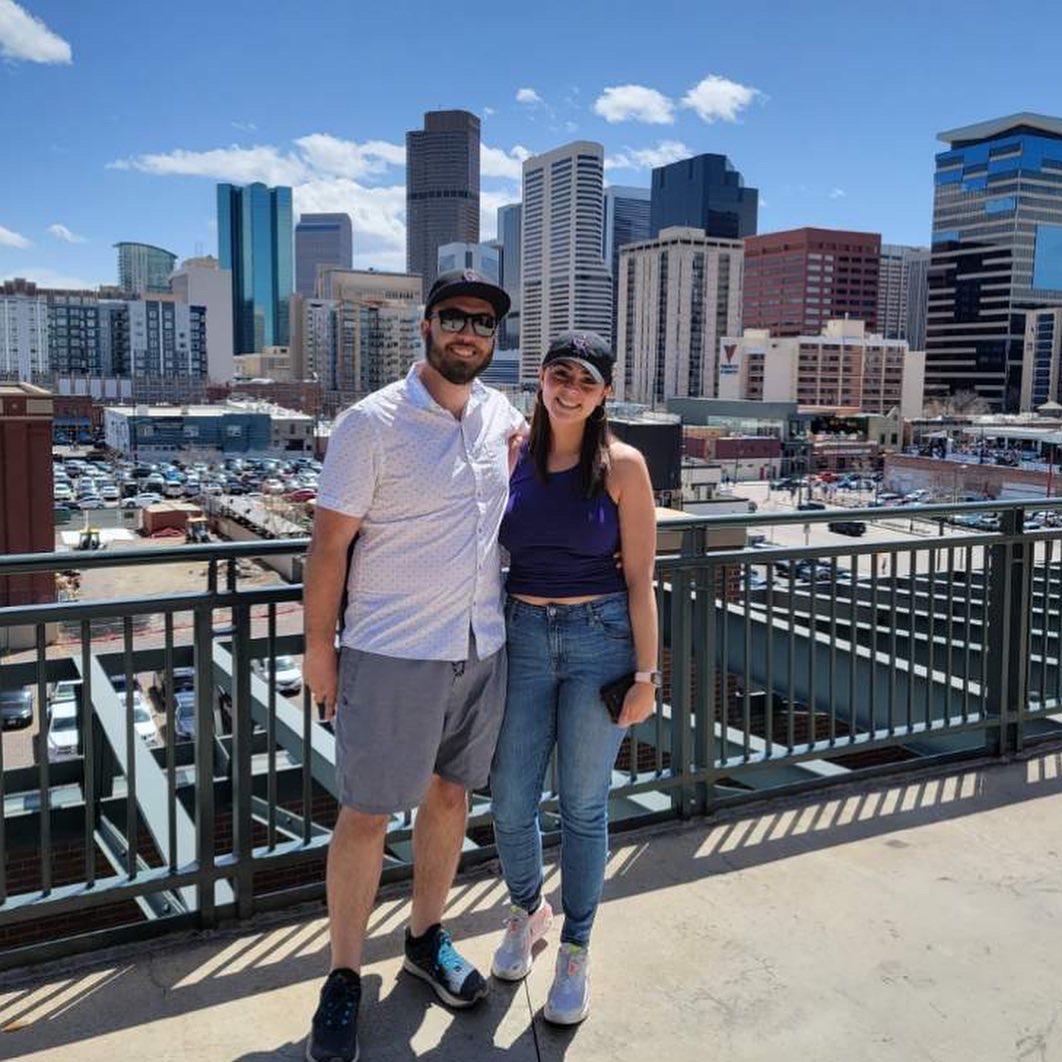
(117, 118)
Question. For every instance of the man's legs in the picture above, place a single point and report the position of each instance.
(355, 857)
(438, 831)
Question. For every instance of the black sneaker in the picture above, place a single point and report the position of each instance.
(433, 958)
(334, 1034)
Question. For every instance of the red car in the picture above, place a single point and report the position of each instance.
(304, 494)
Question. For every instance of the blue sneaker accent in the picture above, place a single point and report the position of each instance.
(433, 958)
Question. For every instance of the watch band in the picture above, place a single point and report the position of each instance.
(653, 678)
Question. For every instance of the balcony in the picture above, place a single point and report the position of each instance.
(833, 722)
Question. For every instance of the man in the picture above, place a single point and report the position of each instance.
(418, 472)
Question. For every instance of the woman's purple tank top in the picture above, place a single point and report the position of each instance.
(560, 543)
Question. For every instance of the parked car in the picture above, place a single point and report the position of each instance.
(810, 506)
(90, 501)
(184, 713)
(16, 708)
(289, 677)
(147, 498)
(109, 492)
(272, 486)
(855, 528)
(62, 730)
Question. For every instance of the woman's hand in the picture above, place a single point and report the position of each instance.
(638, 705)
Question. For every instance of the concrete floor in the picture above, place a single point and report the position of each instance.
(900, 921)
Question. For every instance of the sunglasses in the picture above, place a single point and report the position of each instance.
(454, 320)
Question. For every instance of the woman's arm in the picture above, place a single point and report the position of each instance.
(630, 485)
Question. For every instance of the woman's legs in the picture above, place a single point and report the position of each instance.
(520, 760)
(587, 744)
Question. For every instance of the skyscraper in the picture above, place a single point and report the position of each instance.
(254, 241)
(442, 188)
(626, 221)
(510, 227)
(143, 268)
(679, 294)
(703, 192)
(484, 258)
(902, 289)
(565, 282)
(321, 239)
(997, 251)
(796, 281)
(199, 282)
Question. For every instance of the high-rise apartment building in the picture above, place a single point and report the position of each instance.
(23, 335)
(510, 227)
(997, 252)
(844, 367)
(201, 282)
(321, 240)
(565, 282)
(1041, 354)
(796, 281)
(626, 221)
(484, 258)
(442, 188)
(678, 295)
(313, 340)
(703, 192)
(255, 243)
(903, 280)
(166, 338)
(144, 269)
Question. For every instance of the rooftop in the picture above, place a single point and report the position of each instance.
(737, 933)
(994, 127)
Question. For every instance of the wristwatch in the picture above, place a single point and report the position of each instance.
(653, 678)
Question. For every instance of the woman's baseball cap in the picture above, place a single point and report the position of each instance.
(588, 350)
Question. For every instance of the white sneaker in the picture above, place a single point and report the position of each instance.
(512, 960)
(568, 1001)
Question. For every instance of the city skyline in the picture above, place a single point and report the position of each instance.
(861, 159)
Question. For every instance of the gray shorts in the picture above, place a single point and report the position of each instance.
(400, 721)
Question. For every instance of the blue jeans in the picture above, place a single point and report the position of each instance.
(559, 658)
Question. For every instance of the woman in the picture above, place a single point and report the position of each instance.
(575, 622)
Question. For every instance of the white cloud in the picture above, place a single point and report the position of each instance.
(719, 99)
(647, 158)
(61, 232)
(527, 95)
(623, 103)
(377, 213)
(244, 127)
(488, 111)
(24, 37)
(46, 277)
(347, 158)
(837, 193)
(497, 162)
(236, 164)
(12, 239)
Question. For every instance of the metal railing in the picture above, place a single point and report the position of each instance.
(786, 668)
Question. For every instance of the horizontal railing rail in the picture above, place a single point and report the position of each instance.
(787, 668)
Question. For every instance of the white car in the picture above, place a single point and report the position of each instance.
(213, 488)
(62, 493)
(62, 731)
(146, 499)
(109, 492)
(90, 501)
(289, 677)
(273, 486)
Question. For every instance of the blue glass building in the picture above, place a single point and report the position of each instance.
(321, 240)
(996, 253)
(510, 236)
(626, 221)
(703, 192)
(255, 242)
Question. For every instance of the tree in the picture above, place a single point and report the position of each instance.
(959, 404)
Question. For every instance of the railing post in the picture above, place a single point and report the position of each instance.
(242, 781)
(708, 681)
(204, 764)
(683, 798)
(1006, 635)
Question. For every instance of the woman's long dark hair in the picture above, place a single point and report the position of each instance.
(593, 454)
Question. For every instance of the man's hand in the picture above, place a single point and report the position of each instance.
(320, 671)
(638, 705)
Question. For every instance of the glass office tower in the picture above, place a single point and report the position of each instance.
(997, 252)
(703, 192)
(255, 242)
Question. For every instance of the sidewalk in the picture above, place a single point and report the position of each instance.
(905, 921)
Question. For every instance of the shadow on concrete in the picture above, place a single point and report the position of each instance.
(60, 1006)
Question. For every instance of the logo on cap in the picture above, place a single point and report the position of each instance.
(471, 275)
(581, 344)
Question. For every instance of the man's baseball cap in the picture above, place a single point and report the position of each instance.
(586, 349)
(456, 282)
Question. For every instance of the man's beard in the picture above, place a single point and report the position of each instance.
(450, 367)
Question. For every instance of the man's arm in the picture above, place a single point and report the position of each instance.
(324, 578)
